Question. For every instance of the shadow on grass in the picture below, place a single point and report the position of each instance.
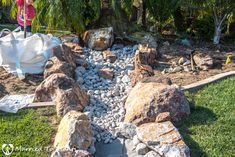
(200, 116)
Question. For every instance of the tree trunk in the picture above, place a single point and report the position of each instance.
(217, 34)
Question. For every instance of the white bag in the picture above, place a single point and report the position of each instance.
(19, 55)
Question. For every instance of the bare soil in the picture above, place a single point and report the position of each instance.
(10, 84)
(170, 55)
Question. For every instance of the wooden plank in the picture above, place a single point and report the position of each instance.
(40, 104)
(200, 84)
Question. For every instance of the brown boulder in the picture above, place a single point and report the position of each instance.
(54, 65)
(74, 132)
(147, 100)
(64, 53)
(106, 73)
(75, 48)
(108, 55)
(203, 61)
(66, 94)
(99, 39)
(163, 138)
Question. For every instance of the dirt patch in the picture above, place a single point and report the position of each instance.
(10, 84)
(171, 53)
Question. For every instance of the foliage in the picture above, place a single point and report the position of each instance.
(209, 130)
(27, 129)
(202, 27)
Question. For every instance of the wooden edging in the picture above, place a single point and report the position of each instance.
(202, 83)
(40, 104)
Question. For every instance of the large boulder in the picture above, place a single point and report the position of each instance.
(74, 132)
(147, 100)
(163, 138)
(54, 65)
(64, 53)
(65, 152)
(99, 39)
(66, 94)
(203, 61)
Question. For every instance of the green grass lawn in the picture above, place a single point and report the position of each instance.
(28, 129)
(210, 129)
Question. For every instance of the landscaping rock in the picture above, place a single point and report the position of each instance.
(64, 53)
(74, 131)
(150, 41)
(106, 73)
(167, 138)
(65, 152)
(182, 60)
(143, 63)
(141, 149)
(66, 94)
(75, 48)
(108, 55)
(203, 61)
(127, 130)
(54, 65)
(99, 39)
(147, 100)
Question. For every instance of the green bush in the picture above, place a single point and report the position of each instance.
(202, 27)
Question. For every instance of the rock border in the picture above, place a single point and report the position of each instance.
(200, 84)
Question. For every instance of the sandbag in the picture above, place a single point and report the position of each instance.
(19, 55)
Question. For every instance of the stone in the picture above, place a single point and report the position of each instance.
(106, 73)
(135, 141)
(127, 130)
(108, 55)
(99, 39)
(54, 65)
(170, 141)
(65, 92)
(75, 48)
(74, 131)
(150, 41)
(141, 149)
(182, 60)
(64, 53)
(152, 154)
(144, 62)
(65, 152)
(177, 69)
(162, 117)
(147, 100)
(203, 61)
